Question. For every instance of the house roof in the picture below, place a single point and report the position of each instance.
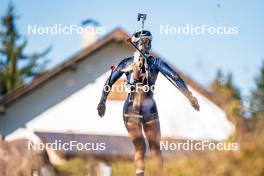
(99, 145)
(117, 35)
(102, 146)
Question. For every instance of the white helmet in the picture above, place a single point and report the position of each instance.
(144, 34)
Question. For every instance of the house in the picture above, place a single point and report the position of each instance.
(63, 101)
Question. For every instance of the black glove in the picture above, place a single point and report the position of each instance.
(101, 108)
(194, 103)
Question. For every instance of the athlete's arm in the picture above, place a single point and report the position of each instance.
(116, 74)
(176, 80)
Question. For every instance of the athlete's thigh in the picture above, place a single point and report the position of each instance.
(152, 132)
(136, 135)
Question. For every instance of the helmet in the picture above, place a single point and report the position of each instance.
(144, 34)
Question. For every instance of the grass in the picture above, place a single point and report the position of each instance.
(73, 167)
(248, 160)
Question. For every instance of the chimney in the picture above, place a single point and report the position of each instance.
(89, 34)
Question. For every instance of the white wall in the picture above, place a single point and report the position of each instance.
(58, 89)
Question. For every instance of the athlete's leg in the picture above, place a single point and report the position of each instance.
(136, 135)
(152, 133)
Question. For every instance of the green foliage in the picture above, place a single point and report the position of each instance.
(15, 66)
(257, 96)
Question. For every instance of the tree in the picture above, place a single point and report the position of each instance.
(257, 95)
(15, 66)
(228, 94)
(224, 87)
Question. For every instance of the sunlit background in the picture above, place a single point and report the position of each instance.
(199, 56)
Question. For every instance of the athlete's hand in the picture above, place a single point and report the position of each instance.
(194, 102)
(101, 108)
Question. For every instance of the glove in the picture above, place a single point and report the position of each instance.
(194, 103)
(101, 108)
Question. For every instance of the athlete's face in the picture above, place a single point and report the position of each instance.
(144, 45)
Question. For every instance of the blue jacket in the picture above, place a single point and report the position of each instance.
(155, 65)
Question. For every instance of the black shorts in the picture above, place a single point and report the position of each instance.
(148, 110)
